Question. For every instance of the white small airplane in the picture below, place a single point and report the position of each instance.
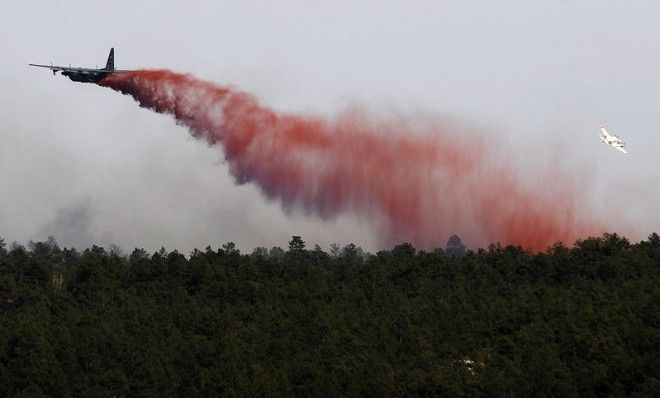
(612, 140)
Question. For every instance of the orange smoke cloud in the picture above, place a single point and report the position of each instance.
(416, 179)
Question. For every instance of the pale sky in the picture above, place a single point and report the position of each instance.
(86, 165)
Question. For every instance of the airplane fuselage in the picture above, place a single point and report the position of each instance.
(86, 76)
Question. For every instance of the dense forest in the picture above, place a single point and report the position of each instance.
(501, 321)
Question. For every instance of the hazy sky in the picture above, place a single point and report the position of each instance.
(85, 164)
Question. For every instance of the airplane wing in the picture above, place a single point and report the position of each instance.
(621, 149)
(54, 68)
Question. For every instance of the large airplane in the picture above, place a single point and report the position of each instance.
(612, 140)
(86, 75)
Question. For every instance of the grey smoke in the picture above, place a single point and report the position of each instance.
(73, 226)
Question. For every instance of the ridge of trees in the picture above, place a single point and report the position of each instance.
(499, 321)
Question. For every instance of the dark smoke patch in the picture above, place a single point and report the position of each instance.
(73, 226)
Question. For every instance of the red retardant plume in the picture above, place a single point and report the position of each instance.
(415, 179)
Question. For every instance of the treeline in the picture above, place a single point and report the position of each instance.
(494, 322)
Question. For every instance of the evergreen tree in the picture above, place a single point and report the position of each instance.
(571, 321)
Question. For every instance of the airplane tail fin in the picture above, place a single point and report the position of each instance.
(110, 65)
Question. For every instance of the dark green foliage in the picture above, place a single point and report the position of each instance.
(496, 322)
(455, 247)
(296, 245)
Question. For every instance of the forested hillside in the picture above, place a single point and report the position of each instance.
(502, 321)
